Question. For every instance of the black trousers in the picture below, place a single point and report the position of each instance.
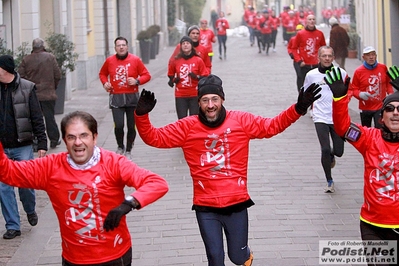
(371, 232)
(53, 133)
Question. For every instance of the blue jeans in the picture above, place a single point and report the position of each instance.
(235, 226)
(9, 206)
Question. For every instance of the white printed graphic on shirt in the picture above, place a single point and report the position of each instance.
(385, 180)
(217, 155)
(184, 71)
(374, 87)
(121, 75)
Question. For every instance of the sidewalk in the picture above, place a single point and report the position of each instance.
(286, 180)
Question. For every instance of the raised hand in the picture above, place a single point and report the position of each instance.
(335, 81)
(146, 102)
(306, 98)
(393, 74)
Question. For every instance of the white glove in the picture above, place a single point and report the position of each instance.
(364, 95)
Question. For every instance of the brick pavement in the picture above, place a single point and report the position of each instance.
(286, 180)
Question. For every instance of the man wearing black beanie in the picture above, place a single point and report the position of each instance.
(379, 219)
(215, 144)
(20, 120)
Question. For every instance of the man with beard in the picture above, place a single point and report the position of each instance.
(194, 33)
(215, 144)
(322, 115)
(121, 75)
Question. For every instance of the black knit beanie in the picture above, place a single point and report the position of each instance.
(7, 63)
(211, 84)
(186, 39)
(394, 97)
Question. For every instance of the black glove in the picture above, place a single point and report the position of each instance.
(146, 102)
(194, 76)
(176, 80)
(393, 74)
(170, 83)
(306, 98)
(291, 55)
(334, 80)
(114, 216)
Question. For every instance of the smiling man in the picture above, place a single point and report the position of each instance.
(322, 115)
(379, 218)
(86, 188)
(216, 145)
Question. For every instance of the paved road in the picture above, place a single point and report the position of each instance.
(286, 180)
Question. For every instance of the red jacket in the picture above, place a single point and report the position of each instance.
(181, 68)
(381, 170)
(82, 199)
(375, 82)
(307, 44)
(117, 71)
(217, 157)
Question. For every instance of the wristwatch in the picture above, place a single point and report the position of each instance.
(132, 202)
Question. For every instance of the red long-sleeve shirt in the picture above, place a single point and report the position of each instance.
(117, 71)
(181, 68)
(83, 198)
(307, 44)
(374, 81)
(217, 157)
(381, 170)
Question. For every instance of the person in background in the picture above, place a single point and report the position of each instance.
(216, 145)
(379, 220)
(249, 18)
(41, 68)
(370, 85)
(207, 37)
(339, 41)
(202, 51)
(266, 27)
(296, 59)
(184, 71)
(86, 188)
(322, 115)
(222, 25)
(121, 76)
(21, 120)
(276, 25)
(306, 45)
(289, 24)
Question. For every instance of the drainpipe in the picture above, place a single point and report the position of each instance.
(106, 36)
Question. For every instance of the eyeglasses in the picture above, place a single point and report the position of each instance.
(391, 108)
(213, 99)
(73, 138)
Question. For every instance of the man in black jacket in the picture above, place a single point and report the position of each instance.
(20, 119)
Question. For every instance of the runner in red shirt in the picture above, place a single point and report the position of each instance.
(215, 145)
(86, 189)
(207, 37)
(222, 25)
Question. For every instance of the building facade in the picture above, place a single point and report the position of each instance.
(92, 25)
